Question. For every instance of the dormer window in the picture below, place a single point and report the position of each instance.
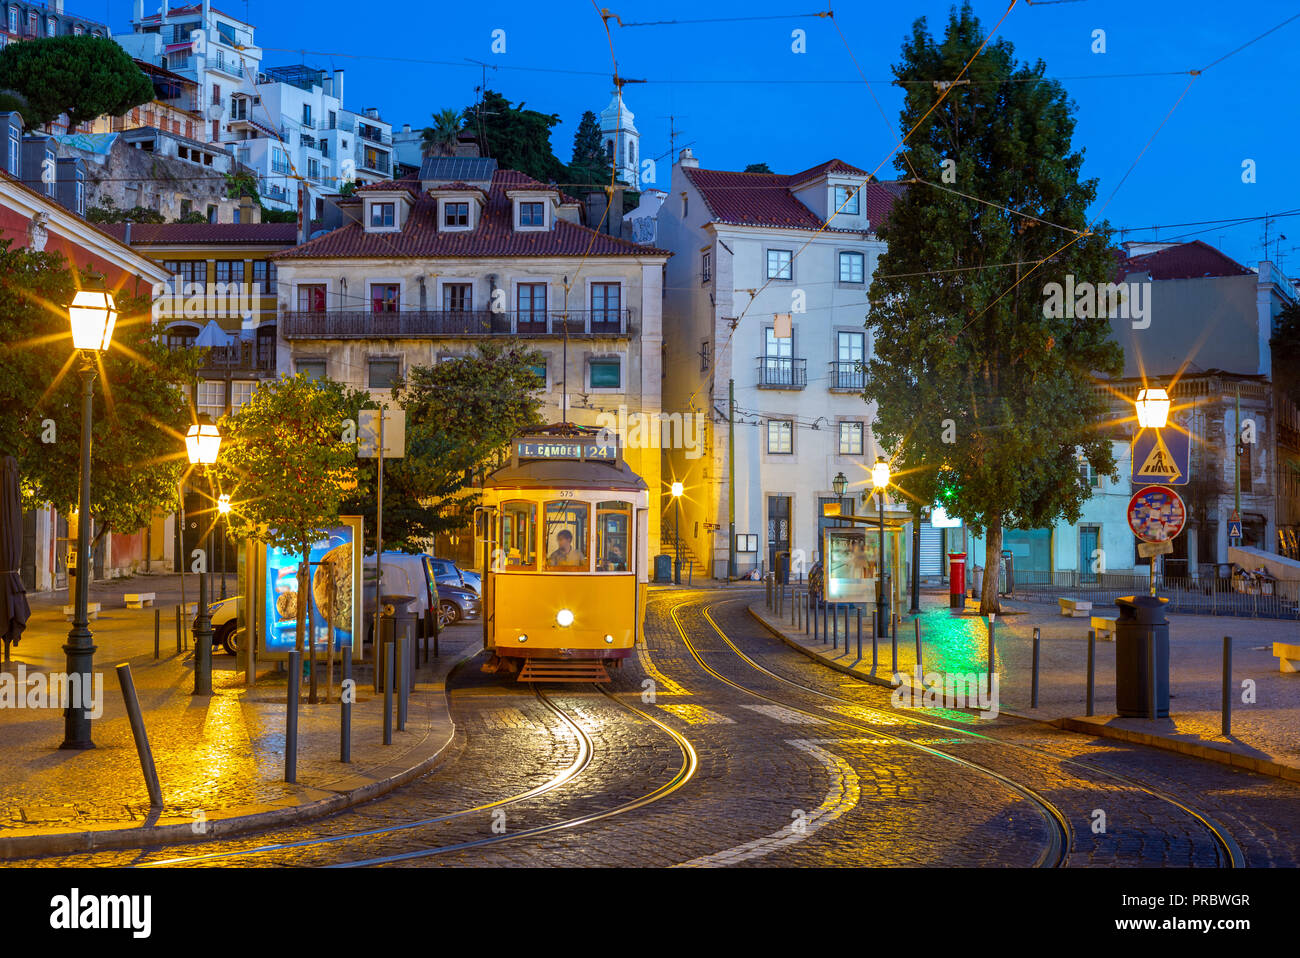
(383, 214)
(532, 214)
(846, 200)
(455, 214)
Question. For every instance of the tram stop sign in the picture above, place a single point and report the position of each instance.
(1156, 514)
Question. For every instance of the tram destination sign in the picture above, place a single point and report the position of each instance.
(574, 450)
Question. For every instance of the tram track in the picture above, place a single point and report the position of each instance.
(1227, 851)
(1059, 838)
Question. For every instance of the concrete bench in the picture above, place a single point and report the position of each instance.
(138, 600)
(1073, 607)
(92, 611)
(1104, 626)
(1288, 656)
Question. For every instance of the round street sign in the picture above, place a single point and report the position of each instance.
(1156, 514)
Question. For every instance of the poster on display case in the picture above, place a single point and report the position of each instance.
(335, 559)
(851, 566)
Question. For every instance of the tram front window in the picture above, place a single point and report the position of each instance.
(566, 536)
(613, 536)
(518, 535)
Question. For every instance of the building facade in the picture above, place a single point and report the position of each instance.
(427, 269)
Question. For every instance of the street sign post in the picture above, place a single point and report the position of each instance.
(1234, 525)
(1161, 455)
(1156, 515)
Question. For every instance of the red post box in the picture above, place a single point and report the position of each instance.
(956, 580)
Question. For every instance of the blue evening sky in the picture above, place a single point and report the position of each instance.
(741, 95)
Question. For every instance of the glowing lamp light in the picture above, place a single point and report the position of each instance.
(523, 638)
(202, 443)
(223, 504)
(839, 484)
(609, 639)
(678, 489)
(1152, 408)
(880, 474)
(564, 618)
(93, 315)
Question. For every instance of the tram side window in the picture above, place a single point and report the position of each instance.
(519, 534)
(613, 536)
(566, 536)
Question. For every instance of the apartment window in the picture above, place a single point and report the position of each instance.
(13, 19)
(606, 300)
(457, 297)
(846, 200)
(212, 213)
(849, 356)
(311, 298)
(706, 267)
(334, 120)
(313, 168)
(306, 114)
(779, 264)
(455, 214)
(780, 437)
(384, 297)
(279, 161)
(227, 34)
(314, 368)
(240, 394)
(851, 435)
(532, 214)
(851, 267)
(52, 27)
(606, 374)
(383, 214)
(264, 277)
(1091, 478)
(539, 370)
(212, 398)
(230, 271)
(705, 355)
(686, 206)
(189, 270)
(384, 373)
(530, 299)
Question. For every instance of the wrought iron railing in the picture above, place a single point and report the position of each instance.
(848, 375)
(782, 372)
(432, 324)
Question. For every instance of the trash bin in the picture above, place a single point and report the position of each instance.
(1008, 572)
(663, 568)
(1141, 625)
(783, 568)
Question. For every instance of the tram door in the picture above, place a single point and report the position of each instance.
(778, 528)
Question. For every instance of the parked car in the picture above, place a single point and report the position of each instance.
(414, 581)
(225, 625)
(473, 581)
(449, 573)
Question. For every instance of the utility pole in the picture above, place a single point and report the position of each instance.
(1236, 464)
(731, 480)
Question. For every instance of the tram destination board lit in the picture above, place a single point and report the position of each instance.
(576, 451)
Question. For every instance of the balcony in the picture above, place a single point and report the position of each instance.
(378, 165)
(782, 372)
(452, 324)
(847, 376)
(240, 358)
(372, 135)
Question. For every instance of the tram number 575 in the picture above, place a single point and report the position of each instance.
(565, 493)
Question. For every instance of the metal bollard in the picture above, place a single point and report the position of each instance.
(825, 624)
(1227, 685)
(157, 630)
(345, 709)
(767, 592)
(794, 605)
(813, 615)
(178, 630)
(1092, 668)
(388, 693)
(1033, 688)
(916, 623)
(875, 640)
(835, 626)
(859, 633)
(992, 648)
(893, 644)
(291, 718)
(807, 610)
(404, 686)
(141, 737)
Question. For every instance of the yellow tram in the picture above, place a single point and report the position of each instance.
(563, 548)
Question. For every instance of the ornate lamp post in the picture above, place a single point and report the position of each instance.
(839, 484)
(202, 443)
(92, 314)
(678, 488)
(223, 507)
(880, 482)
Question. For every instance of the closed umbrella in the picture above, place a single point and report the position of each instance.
(14, 610)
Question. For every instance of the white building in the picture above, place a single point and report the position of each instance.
(619, 137)
(759, 295)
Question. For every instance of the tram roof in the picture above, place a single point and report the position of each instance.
(561, 474)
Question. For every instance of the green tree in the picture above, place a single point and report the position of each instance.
(141, 405)
(108, 212)
(11, 101)
(1285, 345)
(441, 138)
(589, 166)
(758, 168)
(284, 461)
(517, 138)
(970, 371)
(459, 415)
(83, 76)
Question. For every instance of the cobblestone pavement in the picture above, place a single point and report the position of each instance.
(787, 777)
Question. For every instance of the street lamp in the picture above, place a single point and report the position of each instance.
(202, 443)
(880, 482)
(678, 488)
(92, 316)
(839, 484)
(223, 507)
(1152, 408)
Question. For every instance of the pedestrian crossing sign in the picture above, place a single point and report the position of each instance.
(1161, 456)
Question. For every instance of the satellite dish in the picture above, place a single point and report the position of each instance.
(216, 111)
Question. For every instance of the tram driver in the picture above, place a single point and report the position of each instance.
(565, 554)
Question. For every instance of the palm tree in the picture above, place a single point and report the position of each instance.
(441, 138)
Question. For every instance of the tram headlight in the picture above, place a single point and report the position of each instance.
(523, 638)
(609, 639)
(564, 618)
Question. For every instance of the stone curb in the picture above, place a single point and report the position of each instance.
(70, 843)
(1263, 766)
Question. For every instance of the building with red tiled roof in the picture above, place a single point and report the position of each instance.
(766, 296)
(424, 271)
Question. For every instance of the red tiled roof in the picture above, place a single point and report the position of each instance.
(766, 199)
(1184, 261)
(493, 236)
(197, 233)
(411, 186)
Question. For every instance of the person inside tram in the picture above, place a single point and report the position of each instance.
(565, 554)
(614, 560)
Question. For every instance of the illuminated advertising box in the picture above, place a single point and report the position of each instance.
(851, 566)
(335, 559)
